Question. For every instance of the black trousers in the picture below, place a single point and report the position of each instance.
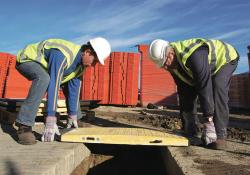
(188, 96)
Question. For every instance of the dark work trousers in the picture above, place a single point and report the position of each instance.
(220, 82)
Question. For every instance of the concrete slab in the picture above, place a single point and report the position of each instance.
(54, 158)
(194, 160)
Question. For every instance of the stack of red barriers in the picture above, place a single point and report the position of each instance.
(157, 85)
(114, 83)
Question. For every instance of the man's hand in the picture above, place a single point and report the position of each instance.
(50, 130)
(72, 121)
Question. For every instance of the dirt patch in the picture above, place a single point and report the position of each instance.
(212, 167)
(168, 121)
(239, 134)
(188, 151)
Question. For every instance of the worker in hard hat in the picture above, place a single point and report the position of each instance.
(201, 68)
(50, 64)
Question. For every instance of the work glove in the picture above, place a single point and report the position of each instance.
(209, 134)
(50, 129)
(72, 121)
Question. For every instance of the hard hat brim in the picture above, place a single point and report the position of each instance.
(100, 54)
(100, 60)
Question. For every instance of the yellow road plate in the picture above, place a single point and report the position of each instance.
(128, 136)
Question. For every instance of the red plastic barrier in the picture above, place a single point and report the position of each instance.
(4, 63)
(96, 83)
(132, 79)
(157, 85)
(103, 82)
(60, 95)
(124, 78)
(17, 86)
(114, 83)
(117, 83)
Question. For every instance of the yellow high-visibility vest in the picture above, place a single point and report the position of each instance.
(219, 54)
(35, 52)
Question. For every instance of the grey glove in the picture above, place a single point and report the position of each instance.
(72, 121)
(50, 130)
(209, 133)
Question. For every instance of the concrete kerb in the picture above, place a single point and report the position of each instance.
(53, 158)
(176, 163)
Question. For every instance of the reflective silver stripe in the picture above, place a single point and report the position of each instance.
(213, 56)
(22, 57)
(51, 44)
(58, 82)
(182, 78)
(227, 52)
(187, 49)
(40, 51)
(66, 49)
(78, 95)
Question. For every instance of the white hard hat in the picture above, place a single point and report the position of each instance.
(101, 47)
(157, 50)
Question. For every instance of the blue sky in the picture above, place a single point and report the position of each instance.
(125, 23)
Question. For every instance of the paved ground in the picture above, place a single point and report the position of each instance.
(43, 158)
(195, 160)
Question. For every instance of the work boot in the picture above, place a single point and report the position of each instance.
(25, 135)
(220, 144)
